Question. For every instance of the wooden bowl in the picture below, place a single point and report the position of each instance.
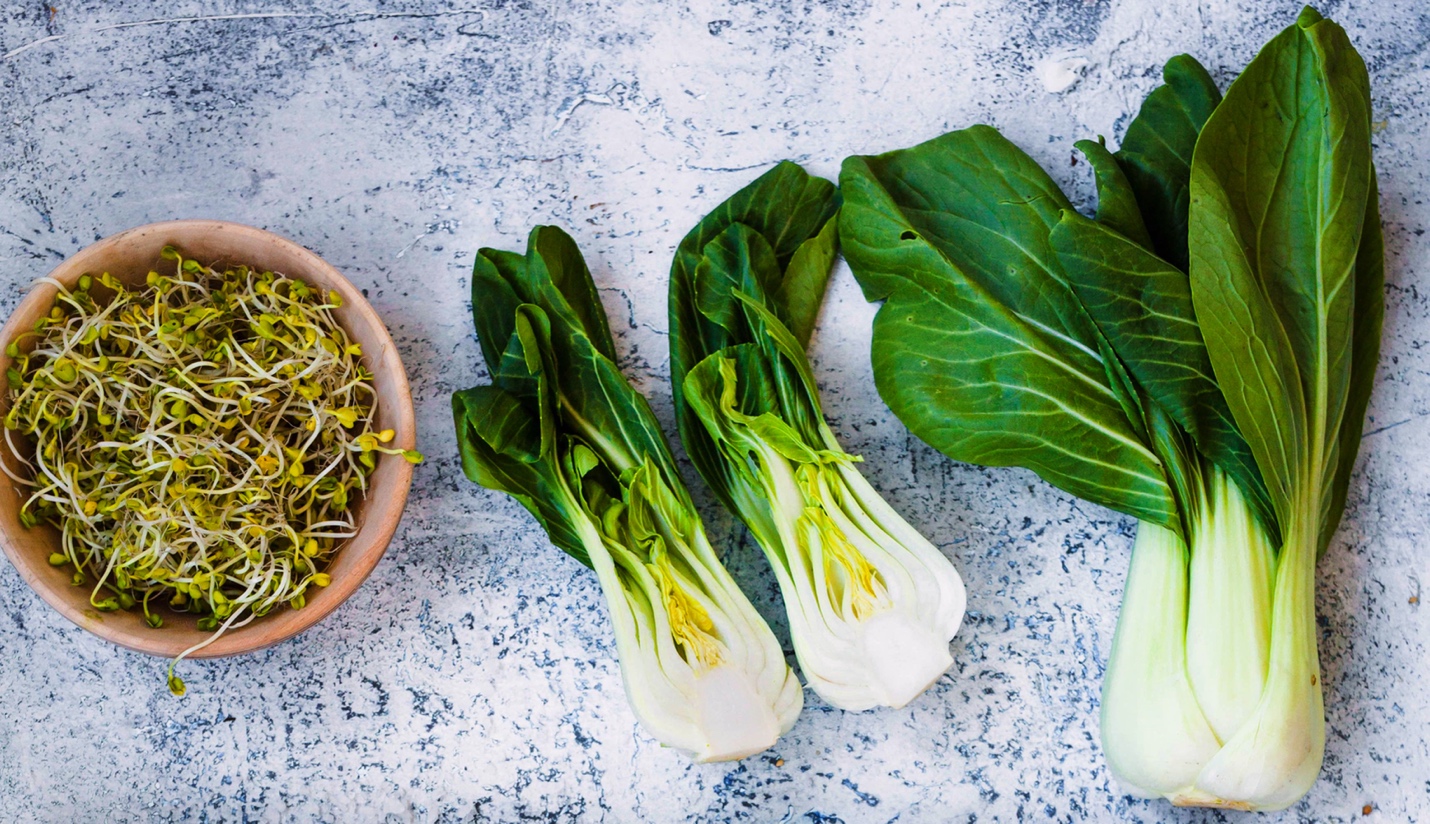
(129, 256)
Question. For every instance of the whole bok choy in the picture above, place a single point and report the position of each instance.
(561, 430)
(1223, 409)
(872, 605)
(1277, 217)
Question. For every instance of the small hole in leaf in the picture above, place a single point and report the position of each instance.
(908, 236)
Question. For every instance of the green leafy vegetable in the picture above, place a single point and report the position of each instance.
(562, 431)
(1244, 385)
(871, 604)
(1117, 205)
(1125, 314)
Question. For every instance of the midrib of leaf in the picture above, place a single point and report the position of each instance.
(603, 446)
(1314, 467)
(1318, 468)
(1073, 342)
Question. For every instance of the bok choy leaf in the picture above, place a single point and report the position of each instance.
(982, 347)
(1156, 154)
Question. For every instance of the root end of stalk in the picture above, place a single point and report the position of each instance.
(1196, 798)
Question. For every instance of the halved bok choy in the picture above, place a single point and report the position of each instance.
(561, 430)
(872, 605)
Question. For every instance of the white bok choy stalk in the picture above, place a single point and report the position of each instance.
(872, 605)
(562, 431)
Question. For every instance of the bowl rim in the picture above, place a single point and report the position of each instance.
(377, 518)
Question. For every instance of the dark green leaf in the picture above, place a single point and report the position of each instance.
(793, 378)
(553, 255)
(1280, 184)
(738, 258)
(1156, 154)
(500, 449)
(802, 291)
(981, 347)
(494, 301)
(979, 204)
(786, 205)
(500, 421)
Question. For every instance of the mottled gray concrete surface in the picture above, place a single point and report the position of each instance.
(473, 677)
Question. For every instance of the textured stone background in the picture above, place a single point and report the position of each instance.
(473, 678)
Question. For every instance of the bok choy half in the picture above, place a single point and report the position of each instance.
(561, 430)
(1199, 356)
(872, 605)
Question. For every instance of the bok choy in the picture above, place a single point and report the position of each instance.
(872, 605)
(561, 430)
(1198, 356)
(1287, 278)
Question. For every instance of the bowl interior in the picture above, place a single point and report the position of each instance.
(130, 256)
